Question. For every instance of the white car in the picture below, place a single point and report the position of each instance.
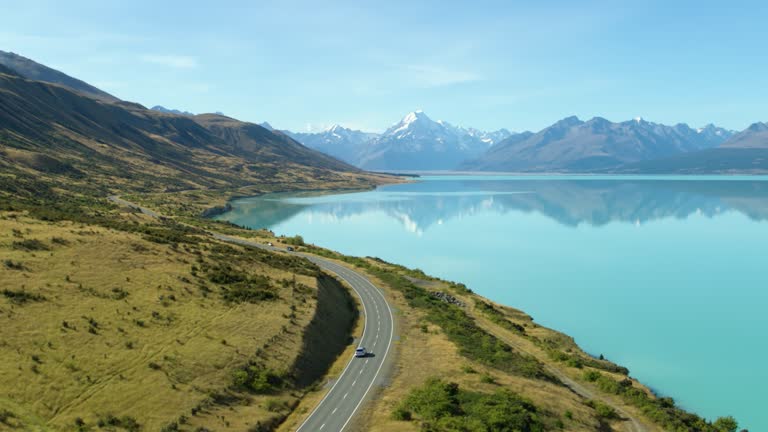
(269, 244)
(360, 352)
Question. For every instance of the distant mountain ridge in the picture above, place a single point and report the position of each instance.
(337, 141)
(574, 145)
(35, 71)
(417, 143)
(163, 109)
(755, 136)
(414, 143)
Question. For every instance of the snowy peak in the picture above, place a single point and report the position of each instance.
(414, 116)
(419, 143)
(336, 140)
(163, 109)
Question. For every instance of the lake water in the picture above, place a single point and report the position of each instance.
(665, 275)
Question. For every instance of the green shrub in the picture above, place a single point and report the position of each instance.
(29, 245)
(6, 417)
(498, 317)
(661, 410)
(9, 264)
(473, 342)
(725, 424)
(591, 375)
(487, 379)
(170, 427)
(21, 297)
(402, 414)
(257, 379)
(296, 240)
(443, 406)
(602, 410)
(125, 422)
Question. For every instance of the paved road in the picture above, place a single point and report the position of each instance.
(339, 406)
(119, 201)
(336, 410)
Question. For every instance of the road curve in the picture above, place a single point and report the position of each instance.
(339, 406)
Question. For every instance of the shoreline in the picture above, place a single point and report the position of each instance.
(653, 390)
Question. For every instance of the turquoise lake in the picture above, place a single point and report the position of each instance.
(667, 276)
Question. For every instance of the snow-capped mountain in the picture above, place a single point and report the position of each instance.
(415, 143)
(575, 145)
(420, 143)
(337, 141)
(163, 109)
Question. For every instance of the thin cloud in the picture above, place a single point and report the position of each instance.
(436, 76)
(174, 61)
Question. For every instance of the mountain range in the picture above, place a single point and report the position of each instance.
(337, 141)
(414, 143)
(571, 145)
(575, 145)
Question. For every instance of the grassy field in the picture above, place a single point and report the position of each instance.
(105, 329)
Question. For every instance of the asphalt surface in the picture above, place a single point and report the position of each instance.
(337, 409)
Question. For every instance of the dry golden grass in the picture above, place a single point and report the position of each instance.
(124, 330)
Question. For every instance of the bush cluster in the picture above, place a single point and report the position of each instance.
(661, 410)
(443, 406)
(127, 423)
(21, 297)
(258, 379)
(239, 286)
(473, 342)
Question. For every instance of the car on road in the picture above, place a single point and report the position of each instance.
(361, 352)
(289, 248)
(269, 244)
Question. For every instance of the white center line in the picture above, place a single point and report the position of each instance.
(366, 362)
(345, 395)
(322, 426)
(354, 382)
(334, 411)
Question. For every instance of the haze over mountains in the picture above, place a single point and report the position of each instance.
(575, 145)
(41, 105)
(571, 145)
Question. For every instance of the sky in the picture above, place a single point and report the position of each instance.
(305, 65)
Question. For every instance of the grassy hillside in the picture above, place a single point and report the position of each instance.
(152, 325)
(49, 130)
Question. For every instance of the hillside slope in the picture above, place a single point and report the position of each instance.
(38, 72)
(49, 129)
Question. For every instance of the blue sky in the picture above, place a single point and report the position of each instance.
(486, 64)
